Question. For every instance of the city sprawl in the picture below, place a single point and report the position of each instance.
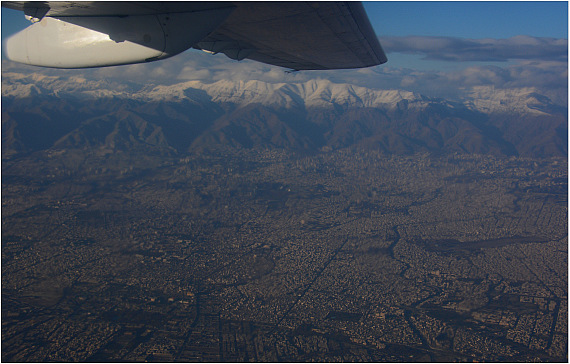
(265, 255)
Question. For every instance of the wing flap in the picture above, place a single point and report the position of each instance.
(302, 35)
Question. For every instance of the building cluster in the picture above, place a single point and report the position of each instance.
(265, 256)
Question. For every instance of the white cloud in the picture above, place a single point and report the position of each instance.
(489, 50)
(550, 76)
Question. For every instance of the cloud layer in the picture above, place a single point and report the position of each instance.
(539, 63)
(487, 50)
(550, 78)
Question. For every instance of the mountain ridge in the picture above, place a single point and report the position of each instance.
(311, 93)
(310, 116)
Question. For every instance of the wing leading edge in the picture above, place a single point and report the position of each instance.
(294, 35)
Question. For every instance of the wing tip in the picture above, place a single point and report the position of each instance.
(365, 27)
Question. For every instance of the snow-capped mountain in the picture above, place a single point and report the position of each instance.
(314, 93)
(520, 101)
(74, 112)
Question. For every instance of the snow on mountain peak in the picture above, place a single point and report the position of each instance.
(313, 93)
(518, 100)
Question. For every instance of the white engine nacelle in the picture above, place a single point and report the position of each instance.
(96, 41)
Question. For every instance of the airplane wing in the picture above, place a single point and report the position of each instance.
(296, 35)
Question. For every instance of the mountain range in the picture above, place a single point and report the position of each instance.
(48, 112)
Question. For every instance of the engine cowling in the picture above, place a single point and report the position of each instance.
(97, 41)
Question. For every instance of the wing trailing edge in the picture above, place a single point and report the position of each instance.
(294, 35)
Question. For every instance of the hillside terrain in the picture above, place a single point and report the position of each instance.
(46, 112)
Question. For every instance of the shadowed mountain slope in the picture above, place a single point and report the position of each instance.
(50, 112)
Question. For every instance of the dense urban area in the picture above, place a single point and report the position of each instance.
(265, 255)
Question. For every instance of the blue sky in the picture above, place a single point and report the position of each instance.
(436, 48)
(470, 20)
(12, 21)
(479, 19)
